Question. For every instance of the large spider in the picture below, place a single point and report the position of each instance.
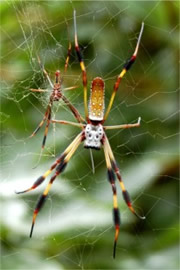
(56, 95)
(93, 135)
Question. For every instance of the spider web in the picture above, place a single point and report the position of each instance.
(75, 230)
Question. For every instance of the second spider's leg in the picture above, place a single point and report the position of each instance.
(124, 126)
(41, 179)
(116, 215)
(126, 67)
(39, 90)
(125, 193)
(82, 65)
(47, 126)
(42, 122)
(69, 51)
(59, 169)
(45, 72)
(68, 56)
(77, 115)
(70, 88)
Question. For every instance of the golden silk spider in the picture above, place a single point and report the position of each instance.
(93, 136)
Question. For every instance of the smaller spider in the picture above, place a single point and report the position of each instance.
(56, 95)
(93, 135)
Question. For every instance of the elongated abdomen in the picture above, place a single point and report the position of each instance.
(96, 103)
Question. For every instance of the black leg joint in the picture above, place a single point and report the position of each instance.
(39, 181)
(40, 202)
(111, 176)
(79, 54)
(44, 140)
(49, 116)
(61, 167)
(129, 63)
(116, 216)
(126, 196)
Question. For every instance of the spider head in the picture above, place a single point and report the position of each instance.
(58, 76)
(93, 136)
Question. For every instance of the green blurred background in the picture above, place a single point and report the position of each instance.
(75, 229)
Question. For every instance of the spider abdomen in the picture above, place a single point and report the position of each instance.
(93, 136)
(96, 104)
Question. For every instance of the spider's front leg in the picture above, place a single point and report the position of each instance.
(126, 67)
(68, 52)
(82, 66)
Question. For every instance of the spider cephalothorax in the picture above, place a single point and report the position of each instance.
(93, 135)
(57, 93)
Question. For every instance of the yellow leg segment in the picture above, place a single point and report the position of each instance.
(59, 169)
(41, 179)
(126, 67)
(82, 66)
(125, 193)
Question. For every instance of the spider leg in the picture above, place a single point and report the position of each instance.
(124, 126)
(126, 67)
(116, 214)
(68, 56)
(47, 127)
(125, 193)
(41, 179)
(70, 88)
(77, 115)
(45, 72)
(68, 123)
(66, 101)
(42, 122)
(59, 169)
(39, 90)
(82, 65)
(69, 51)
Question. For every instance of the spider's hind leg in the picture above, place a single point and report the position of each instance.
(116, 214)
(59, 160)
(125, 193)
(60, 167)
